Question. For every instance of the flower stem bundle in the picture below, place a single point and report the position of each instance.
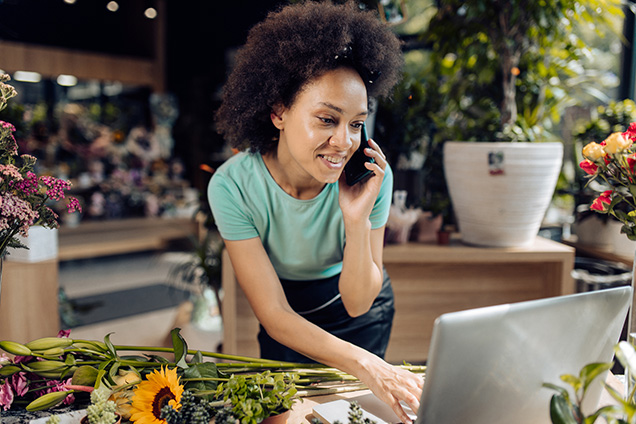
(49, 371)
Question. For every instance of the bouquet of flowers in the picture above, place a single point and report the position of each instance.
(23, 195)
(613, 164)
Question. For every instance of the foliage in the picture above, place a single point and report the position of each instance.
(23, 195)
(566, 409)
(613, 162)
(256, 397)
(504, 67)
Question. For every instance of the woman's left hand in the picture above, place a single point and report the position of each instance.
(356, 201)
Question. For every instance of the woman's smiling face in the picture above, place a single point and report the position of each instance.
(321, 130)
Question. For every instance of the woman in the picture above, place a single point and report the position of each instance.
(306, 247)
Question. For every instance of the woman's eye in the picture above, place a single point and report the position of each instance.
(357, 125)
(327, 120)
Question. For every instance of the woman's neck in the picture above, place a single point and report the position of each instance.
(289, 177)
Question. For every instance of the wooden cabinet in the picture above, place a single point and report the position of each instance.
(28, 300)
(429, 280)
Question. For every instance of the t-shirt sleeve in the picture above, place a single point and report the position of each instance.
(380, 212)
(229, 210)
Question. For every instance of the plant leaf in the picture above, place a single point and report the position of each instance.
(561, 411)
(591, 371)
(180, 348)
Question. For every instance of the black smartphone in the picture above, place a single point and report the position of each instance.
(355, 170)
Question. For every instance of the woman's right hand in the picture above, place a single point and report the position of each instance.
(392, 384)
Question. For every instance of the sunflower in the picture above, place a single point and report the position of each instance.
(159, 389)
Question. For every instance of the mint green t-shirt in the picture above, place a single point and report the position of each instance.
(303, 238)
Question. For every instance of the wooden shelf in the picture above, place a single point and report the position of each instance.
(102, 238)
(596, 252)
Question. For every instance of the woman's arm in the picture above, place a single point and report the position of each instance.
(362, 272)
(262, 287)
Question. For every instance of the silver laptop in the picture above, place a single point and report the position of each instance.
(488, 365)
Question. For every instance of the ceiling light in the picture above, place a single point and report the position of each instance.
(113, 6)
(25, 76)
(150, 13)
(67, 80)
(69, 1)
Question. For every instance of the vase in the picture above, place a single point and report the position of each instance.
(500, 191)
(278, 418)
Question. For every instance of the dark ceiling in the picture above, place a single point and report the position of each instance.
(198, 32)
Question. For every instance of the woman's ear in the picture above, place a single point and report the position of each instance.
(276, 115)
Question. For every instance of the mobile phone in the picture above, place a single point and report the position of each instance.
(355, 170)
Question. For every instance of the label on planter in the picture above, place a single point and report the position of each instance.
(496, 163)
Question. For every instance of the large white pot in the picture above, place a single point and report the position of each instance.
(501, 191)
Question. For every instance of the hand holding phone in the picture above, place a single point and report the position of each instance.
(355, 171)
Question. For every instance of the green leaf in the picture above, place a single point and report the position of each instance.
(110, 346)
(561, 411)
(626, 355)
(85, 375)
(202, 370)
(591, 371)
(180, 348)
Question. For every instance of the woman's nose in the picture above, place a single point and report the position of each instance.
(342, 139)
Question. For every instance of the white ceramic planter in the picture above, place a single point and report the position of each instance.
(501, 191)
(42, 245)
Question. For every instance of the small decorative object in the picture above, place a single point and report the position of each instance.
(401, 219)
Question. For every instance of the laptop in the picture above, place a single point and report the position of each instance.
(488, 365)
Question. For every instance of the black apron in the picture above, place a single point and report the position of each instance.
(319, 302)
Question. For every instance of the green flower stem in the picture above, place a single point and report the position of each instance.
(331, 390)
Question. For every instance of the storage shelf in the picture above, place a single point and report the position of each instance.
(102, 238)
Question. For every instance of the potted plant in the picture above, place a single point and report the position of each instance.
(498, 71)
(566, 406)
(263, 397)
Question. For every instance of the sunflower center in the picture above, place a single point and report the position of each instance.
(162, 398)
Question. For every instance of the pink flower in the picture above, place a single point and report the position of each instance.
(602, 202)
(6, 396)
(73, 205)
(15, 210)
(19, 383)
(64, 334)
(588, 166)
(56, 186)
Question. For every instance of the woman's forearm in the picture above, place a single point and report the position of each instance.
(361, 276)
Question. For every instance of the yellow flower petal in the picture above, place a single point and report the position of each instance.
(160, 388)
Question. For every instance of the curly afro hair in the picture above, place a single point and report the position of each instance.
(293, 46)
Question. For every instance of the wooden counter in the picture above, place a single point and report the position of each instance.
(429, 280)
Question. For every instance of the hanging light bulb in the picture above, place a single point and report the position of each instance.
(113, 6)
(150, 13)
